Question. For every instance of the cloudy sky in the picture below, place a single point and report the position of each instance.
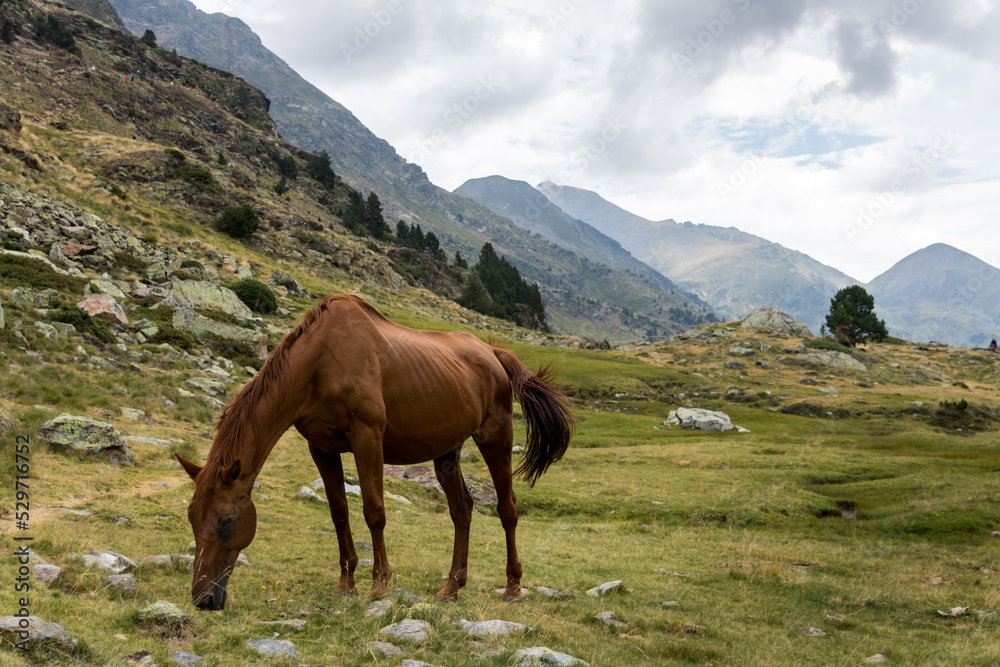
(857, 131)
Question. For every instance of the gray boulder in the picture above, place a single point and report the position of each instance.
(702, 420)
(492, 628)
(208, 296)
(50, 575)
(772, 320)
(87, 436)
(540, 656)
(163, 613)
(833, 358)
(307, 494)
(124, 583)
(106, 561)
(611, 619)
(410, 630)
(185, 659)
(385, 648)
(293, 286)
(186, 319)
(207, 385)
(106, 287)
(273, 647)
(36, 632)
(604, 589)
(105, 307)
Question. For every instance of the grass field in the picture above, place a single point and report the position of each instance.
(863, 526)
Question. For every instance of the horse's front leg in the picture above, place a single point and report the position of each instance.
(332, 471)
(449, 474)
(366, 443)
(495, 444)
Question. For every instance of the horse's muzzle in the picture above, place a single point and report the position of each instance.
(214, 599)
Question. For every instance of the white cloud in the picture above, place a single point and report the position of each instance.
(654, 103)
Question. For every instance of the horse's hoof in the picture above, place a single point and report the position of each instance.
(513, 599)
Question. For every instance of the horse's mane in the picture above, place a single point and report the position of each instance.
(230, 430)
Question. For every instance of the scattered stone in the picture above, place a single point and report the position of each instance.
(106, 561)
(494, 628)
(133, 414)
(733, 364)
(378, 608)
(954, 611)
(833, 619)
(289, 283)
(553, 593)
(611, 619)
(47, 574)
(415, 663)
(124, 583)
(105, 307)
(876, 659)
(385, 648)
(361, 545)
(305, 493)
(605, 588)
(702, 420)
(403, 595)
(410, 630)
(87, 436)
(186, 319)
(353, 489)
(106, 287)
(47, 331)
(833, 358)
(141, 658)
(242, 560)
(207, 385)
(185, 659)
(741, 352)
(164, 613)
(829, 390)
(144, 440)
(540, 656)
(813, 632)
(161, 560)
(273, 647)
(670, 604)
(293, 623)
(398, 499)
(204, 295)
(38, 632)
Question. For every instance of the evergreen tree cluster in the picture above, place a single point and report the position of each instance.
(496, 288)
(414, 237)
(365, 217)
(51, 29)
(318, 168)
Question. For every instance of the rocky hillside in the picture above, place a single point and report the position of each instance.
(940, 294)
(734, 272)
(582, 297)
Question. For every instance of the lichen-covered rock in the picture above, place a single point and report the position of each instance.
(410, 630)
(833, 358)
(207, 385)
(273, 647)
(385, 648)
(86, 436)
(185, 659)
(163, 613)
(702, 420)
(209, 296)
(307, 494)
(124, 583)
(495, 628)
(107, 287)
(186, 319)
(540, 656)
(35, 632)
(48, 574)
(605, 588)
(293, 286)
(611, 619)
(772, 320)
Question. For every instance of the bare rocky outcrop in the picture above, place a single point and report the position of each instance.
(773, 321)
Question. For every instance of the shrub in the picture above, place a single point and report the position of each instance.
(257, 296)
(148, 38)
(240, 222)
(826, 344)
(175, 154)
(199, 177)
(51, 29)
(127, 262)
(288, 167)
(31, 272)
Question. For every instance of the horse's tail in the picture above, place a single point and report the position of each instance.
(547, 414)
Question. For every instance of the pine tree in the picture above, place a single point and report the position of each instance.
(148, 38)
(374, 221)
(852, 316)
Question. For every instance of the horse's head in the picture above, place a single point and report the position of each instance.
(224, 522)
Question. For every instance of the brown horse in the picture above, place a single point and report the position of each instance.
(350, 380)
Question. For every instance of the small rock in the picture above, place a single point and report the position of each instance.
(242, 561)
(494, 628)
(185, 659)
(670, 603)
(813, 632)
(553, 593)
(141, 658)
(352, 489)
(293, 623)
(124, 583)
(611, 619)
(105, 307)
(540, 656)
(164, 613)
(275, 647)
(426, 611)
(47, 574)
(40, 632)
(415, 663)
(106, 561)
(410, 630)
(133, 414)
(305, 493)
(165, 560)
(954, 611)
(398, 499)
(403, 595)
(207, 385)
(604, 589)
(876, 659)
(385, 648)
(833, 619)
(378, 608)
(361, 545)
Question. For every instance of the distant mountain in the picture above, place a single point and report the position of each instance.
(734, 272)
(940, 293)
(583, 297)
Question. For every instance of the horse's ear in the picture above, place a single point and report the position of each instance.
(192, 469)
(230, 476)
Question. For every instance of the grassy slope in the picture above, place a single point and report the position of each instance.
(755, 519)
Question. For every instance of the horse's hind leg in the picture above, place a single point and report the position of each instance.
(449, 474)
(332, 471)
(495, 441)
